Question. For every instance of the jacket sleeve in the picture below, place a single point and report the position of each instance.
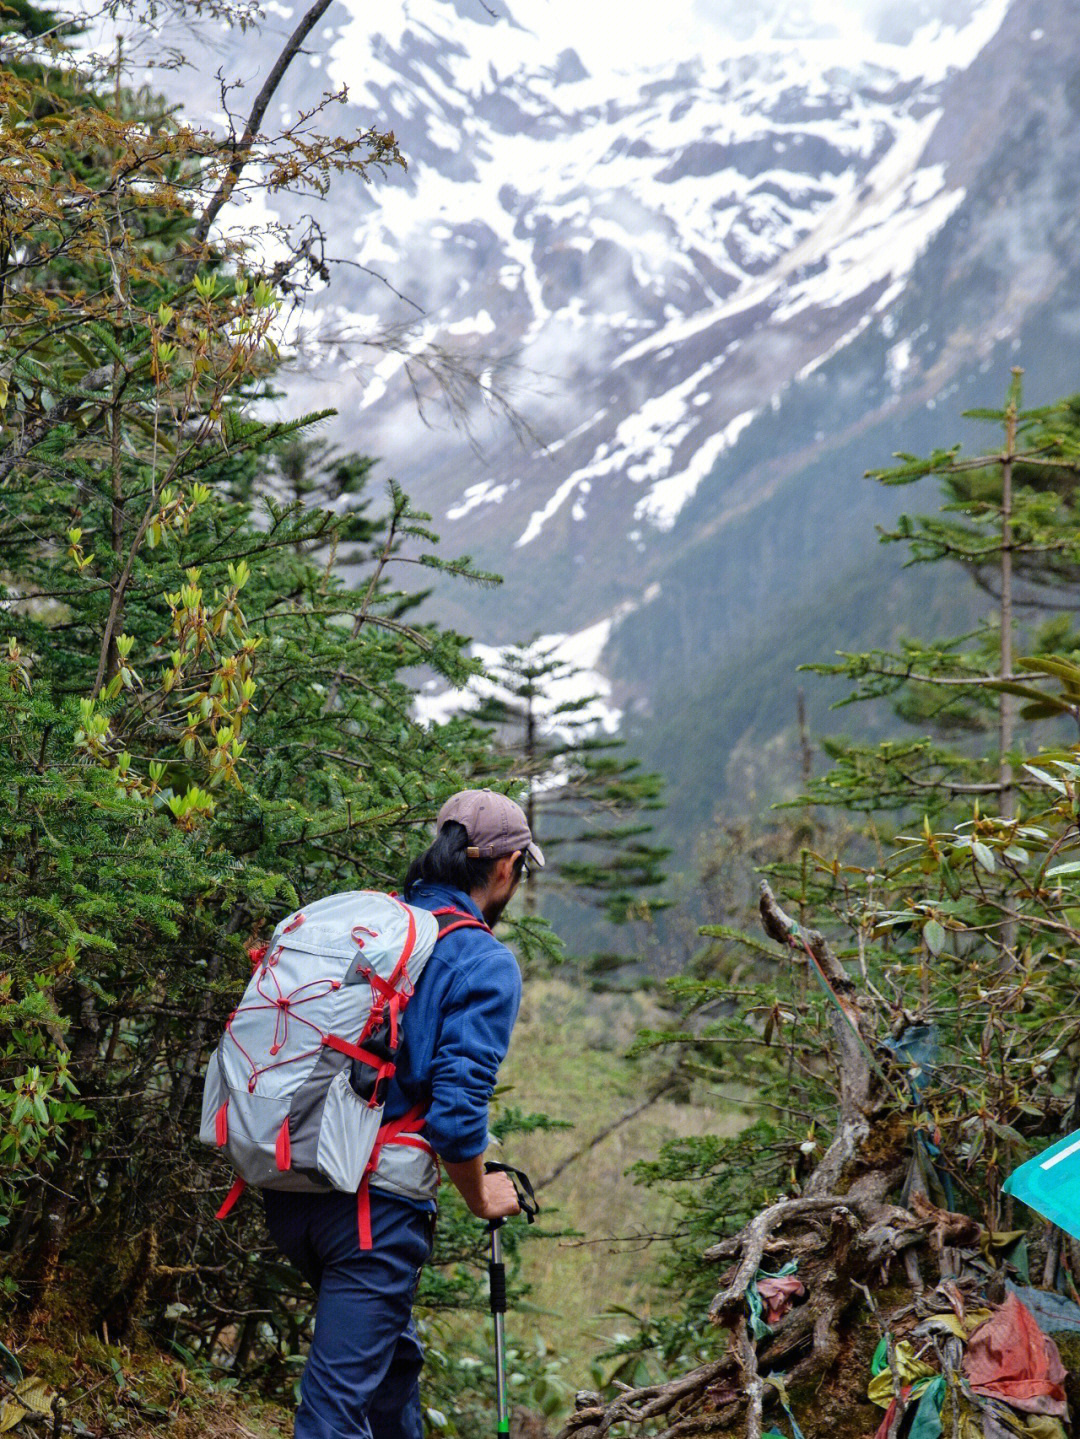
(474, 1036)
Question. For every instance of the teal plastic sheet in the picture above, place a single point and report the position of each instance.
(1050, 1183)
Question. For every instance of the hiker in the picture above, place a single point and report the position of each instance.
(361, 1380)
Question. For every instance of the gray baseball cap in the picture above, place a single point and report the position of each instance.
(496, 826)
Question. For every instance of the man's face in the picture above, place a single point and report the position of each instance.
(505, 878)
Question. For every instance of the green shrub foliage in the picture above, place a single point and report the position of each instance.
(952, 904)
(203, 723)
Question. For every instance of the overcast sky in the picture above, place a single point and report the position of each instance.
(642, 33)
(638, 32)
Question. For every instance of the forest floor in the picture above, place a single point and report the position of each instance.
(133, 1390)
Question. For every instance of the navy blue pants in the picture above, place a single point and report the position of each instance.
(362, 1376)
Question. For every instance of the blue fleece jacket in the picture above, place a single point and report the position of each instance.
(455, 1031)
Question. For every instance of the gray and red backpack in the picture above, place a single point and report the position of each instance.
(295, 1089)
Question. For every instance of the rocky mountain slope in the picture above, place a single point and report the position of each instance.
(715, 289)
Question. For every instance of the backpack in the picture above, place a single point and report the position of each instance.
(294, 1091)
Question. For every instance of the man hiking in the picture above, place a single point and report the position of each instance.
(361, 1380)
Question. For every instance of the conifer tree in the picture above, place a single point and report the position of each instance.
(586, 798)
(202, 720)
(906, 1016)
(1008, 518)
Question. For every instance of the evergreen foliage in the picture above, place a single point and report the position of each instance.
(207, 684)
(949, 965)
(203, 722)
(588, 801)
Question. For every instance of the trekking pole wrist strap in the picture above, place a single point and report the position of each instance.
(530, 1205)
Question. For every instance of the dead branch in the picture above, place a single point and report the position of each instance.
(653, 1097)
(242, 147)
(94, 381)
(843, 1231)
(752, 1242)
(752, 1382)
(852, 1052)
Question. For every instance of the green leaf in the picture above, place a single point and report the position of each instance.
(1027, 692)
(1040, 774)
(10, 1367)
(934, 936)
(1048, 708)
(1050, 664)
(950, 879)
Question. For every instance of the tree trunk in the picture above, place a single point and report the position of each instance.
(40, 1268)
(1007, 702)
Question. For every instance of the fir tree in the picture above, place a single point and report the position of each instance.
(587, 799)
(204, 720)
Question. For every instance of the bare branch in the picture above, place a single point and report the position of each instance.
(33, 434)
(242, 147)
(601, 1134)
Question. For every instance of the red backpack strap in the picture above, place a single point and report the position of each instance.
(233, 1195)
(403, 1130)
(449, 919)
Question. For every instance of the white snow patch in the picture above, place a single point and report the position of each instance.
(897, 362)
(643, 448)
(581, 686)
(382, 373)
(556, 445)
(834, 349)
(664, 501)
(487, 492)
(481, 324)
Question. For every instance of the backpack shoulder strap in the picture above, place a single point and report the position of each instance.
(449, 919)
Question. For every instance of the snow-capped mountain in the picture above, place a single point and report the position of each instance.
(661, 252)
(717, 272)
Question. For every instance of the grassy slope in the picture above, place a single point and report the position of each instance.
(566, 1060)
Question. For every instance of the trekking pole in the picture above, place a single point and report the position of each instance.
(497, 1285)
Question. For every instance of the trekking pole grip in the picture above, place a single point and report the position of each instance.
(526, 1197)
(497, 1285)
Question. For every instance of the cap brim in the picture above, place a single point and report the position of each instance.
(536, 854)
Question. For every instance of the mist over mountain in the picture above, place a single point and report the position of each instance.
(719, 271)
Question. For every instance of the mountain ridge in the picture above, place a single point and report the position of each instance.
(717, 288)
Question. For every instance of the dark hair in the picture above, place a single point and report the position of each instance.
(446, 862)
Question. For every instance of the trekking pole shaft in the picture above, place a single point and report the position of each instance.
(497, 1282)
(503, 1425)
